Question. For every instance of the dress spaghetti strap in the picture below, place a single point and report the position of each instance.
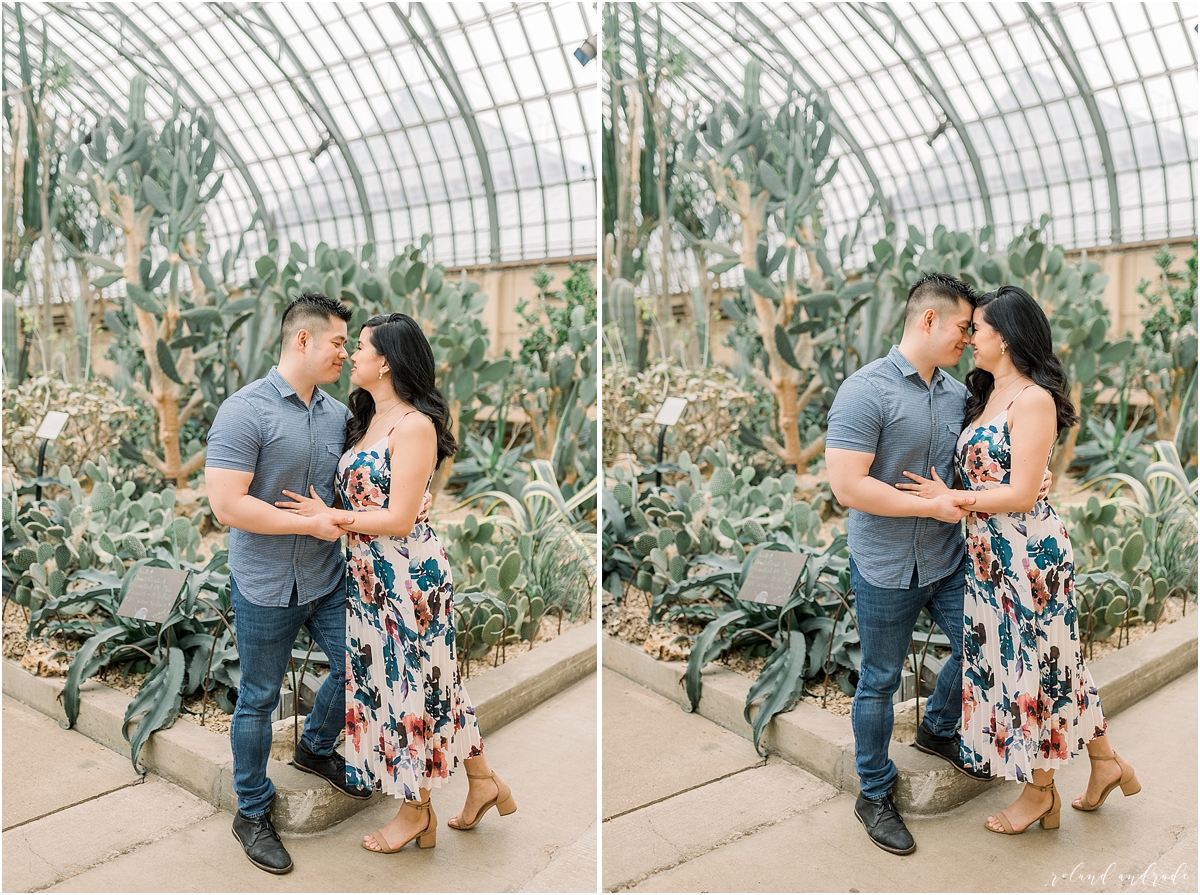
(393, 429)
(395, 424)
(1006, 409)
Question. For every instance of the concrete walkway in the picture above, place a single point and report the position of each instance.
(690, 807)
(78, 819)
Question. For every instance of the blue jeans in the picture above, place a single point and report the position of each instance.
(886, 618)
(265, 635)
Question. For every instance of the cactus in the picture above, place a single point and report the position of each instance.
(1167, 351)
(58, 539)
(620, 310)
(557, 376)
(770, 173)
(16, 343)
(155, 183)
(670, 529)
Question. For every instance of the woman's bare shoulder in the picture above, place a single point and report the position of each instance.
(413, 429)
(1034, 398)
(1034, 404)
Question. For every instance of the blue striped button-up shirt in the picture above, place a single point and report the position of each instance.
(886, 409)
(265, 428)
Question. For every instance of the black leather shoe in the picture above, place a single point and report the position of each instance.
(261, 843)
(331, 767)
(884, 824)
(948, 748)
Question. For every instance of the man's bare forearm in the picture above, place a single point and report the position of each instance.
(869, 495)
(251, 514)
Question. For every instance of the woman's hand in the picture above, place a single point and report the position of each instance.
(927, 488)
(301, 505)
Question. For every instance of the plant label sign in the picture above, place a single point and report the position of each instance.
(152, 594)
(671, 410)
(52, 425)
(773, 577)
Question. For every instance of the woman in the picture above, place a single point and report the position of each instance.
(1029, 703)
(409, 721)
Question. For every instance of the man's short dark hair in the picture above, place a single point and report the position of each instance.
(311, 311)
(939, 291)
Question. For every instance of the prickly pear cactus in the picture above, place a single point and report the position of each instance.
(672, 528)
(56, 542)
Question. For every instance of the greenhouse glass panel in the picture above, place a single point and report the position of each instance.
(375, 86)
(949, 107)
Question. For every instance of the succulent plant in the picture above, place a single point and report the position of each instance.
(56, 542)
(661, 532)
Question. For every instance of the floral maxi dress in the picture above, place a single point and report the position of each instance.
(1028, 700)
(409, 722)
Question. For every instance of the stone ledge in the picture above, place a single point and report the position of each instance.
(823, 744)
(200, 760)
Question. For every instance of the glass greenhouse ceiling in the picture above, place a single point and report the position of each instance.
(968, 114)
(362, 122)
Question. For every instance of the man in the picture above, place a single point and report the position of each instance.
(903, 412)
(286, 570)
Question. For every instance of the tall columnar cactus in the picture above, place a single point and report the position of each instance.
(620, 310)
(559, 397)
(1167, 353)
(147, 184)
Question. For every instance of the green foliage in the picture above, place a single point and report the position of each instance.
(192, 651)
(556, 376)
(1116, 444)
(652, 538)
(1139, 545)
(808, 635)
(491, 466)
(769, 174)
(1166, 354)
(67, 539)
(70, 562)
(509, 583)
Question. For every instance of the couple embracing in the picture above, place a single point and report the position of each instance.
(291, 470)
(1005, 598)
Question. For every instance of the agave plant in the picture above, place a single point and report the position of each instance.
(542, 511)
(811, 633)
(1163, 503)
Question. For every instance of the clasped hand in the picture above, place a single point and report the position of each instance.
(954, 503)
(336, 522)
(950, 505)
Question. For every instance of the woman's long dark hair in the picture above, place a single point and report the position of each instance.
(399, 339)
(1023, 326)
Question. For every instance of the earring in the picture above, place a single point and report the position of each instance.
(381, 374)
(1003, 348)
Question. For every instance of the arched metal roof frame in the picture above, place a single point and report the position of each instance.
(446, 70)
(314, 102)
(112, 106)
(1035, 118)
(723, 84)
(934, 88)
(835, 119)
(354, 76)
(1067, 53)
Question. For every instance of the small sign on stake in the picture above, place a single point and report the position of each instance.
(671, 410)
(152, 593)
(773, 577)
(52, 425)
